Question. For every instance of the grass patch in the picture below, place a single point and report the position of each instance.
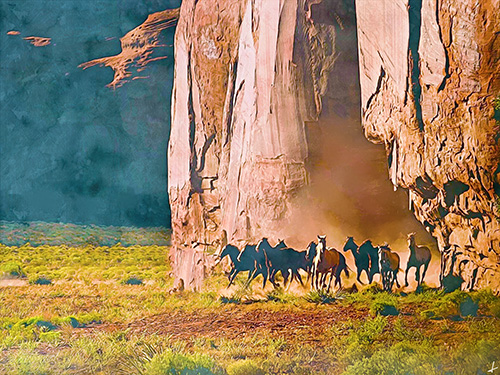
(244, 367)
(12, 269)
(323, 297)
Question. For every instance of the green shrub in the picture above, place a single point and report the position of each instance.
(494, 308)
(440, 310)
(12, 269)
(42, 280)
(170, 362)
(384, 304)
(372, 288)
(401, 359)
(244, 367)
(132, 281)
(279, 295)
(322, 297)
(50, 337)
(380, 308)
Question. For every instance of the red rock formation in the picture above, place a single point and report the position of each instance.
(251, 75)
(246, 82)
(137, 47)
(429, 74)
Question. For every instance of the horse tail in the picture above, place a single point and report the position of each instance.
(346, 271)
(344, 267)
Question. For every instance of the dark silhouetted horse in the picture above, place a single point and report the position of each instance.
(248, 260)
(286, 260)
(419, 256)
(361, 258)
(389, 267)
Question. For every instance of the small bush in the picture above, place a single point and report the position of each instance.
(132, 281)
(169, 362)
(373, 288)
(380, 308)
(12, 269)
(50, 337)
(244, 367)
(440, 310)
(401, 359)
(322, 297)
(495, 309)
(42, 280)
(468, 307)
(278, 295)
(384, 304)
(240, 295)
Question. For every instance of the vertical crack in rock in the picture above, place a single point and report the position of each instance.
(415, 20)
(446, 53)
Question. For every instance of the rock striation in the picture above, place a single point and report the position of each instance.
(248, 76)
(429, 75)
(251, 77)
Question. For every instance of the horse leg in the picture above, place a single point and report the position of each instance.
(330, 282)
(300, 278)
(370, 277)
(417, 275)
(395, 275)
(286, 275)
(251, 275)
(426, 265)
(359, 275)
(406, 274)
(233, 277)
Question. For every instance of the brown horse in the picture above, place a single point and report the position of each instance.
(327, 261)
(389, 267)
(419, 256)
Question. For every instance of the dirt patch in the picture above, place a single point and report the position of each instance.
(13, 282)
(238, 322)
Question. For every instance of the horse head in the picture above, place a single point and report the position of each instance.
(263, 244)
(311, 251)
(350, 244)
(411, 239)
(322, 243)
(281, 244)
(230, 250)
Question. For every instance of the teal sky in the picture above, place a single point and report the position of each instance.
(71, 149)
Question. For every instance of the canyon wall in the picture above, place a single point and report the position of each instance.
(429, 75)
(251, 81)
(246, 82)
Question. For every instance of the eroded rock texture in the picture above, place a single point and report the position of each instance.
(429, 73)
(248, 75)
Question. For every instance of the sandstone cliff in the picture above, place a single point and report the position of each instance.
(429, 74)
(252, 78)
(249, 75)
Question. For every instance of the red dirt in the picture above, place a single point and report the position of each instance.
(237, 322)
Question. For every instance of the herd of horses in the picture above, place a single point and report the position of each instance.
(320, 262)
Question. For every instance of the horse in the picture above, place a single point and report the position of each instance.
(248, 260)
(389, 267)
(281, 258)
(361, 258)
(327, 260)
(419, 256)
(372, 251)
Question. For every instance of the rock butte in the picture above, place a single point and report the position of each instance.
(251, 75)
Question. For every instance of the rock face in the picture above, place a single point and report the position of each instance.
(251, 77)
(246, 82)
(429, 75)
